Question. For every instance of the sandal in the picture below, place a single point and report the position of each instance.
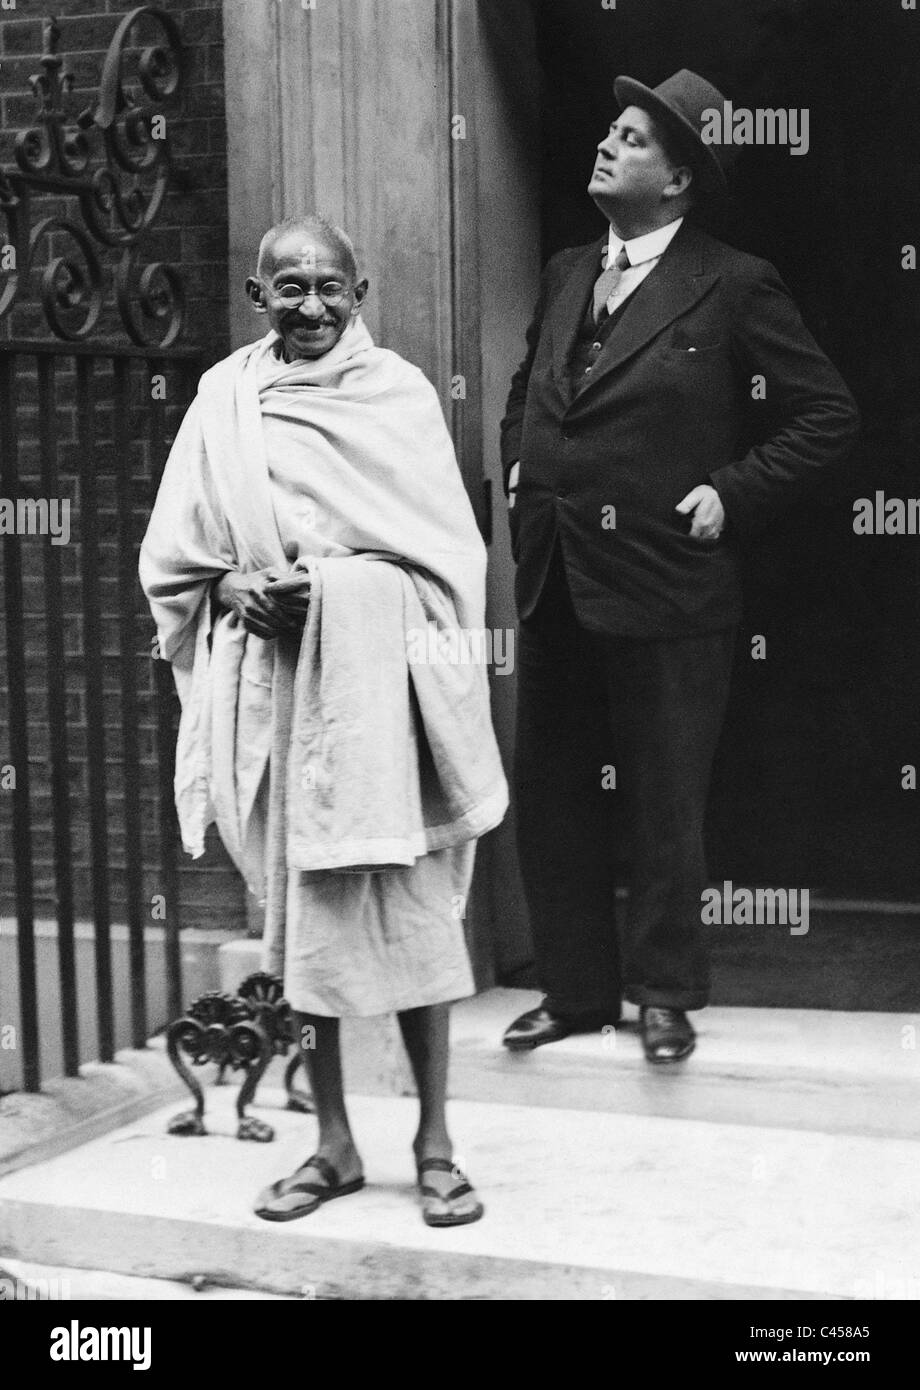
(290, 1198)
(431, 1197)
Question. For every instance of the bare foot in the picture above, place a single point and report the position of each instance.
(448, 1197)
(315, 1182)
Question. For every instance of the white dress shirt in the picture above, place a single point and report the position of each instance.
(644, 253)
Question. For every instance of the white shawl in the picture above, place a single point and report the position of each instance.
(367, 759)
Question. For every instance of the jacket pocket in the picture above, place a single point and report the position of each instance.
(693, 353)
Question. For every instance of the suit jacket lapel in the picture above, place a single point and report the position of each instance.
(569, 310)
(677, 283)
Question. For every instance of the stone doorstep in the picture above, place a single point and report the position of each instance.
(580, 1205)
(731, 1039)
(798, 1069)
(814, 1109)
(839, 1073)
(807, 1069)
(855, 1073)
(801, 1069)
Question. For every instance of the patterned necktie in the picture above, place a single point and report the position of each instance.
(607, 282)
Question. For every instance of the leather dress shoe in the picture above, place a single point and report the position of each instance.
(667, 1034)
(540, 1025)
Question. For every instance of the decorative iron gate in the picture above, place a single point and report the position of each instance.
(84, 401)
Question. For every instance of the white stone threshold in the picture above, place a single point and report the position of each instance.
(748, 1173)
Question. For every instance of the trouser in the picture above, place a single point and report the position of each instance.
(603, 721)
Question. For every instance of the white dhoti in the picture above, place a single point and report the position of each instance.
(377, 943)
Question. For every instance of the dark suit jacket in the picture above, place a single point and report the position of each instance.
(670, 404)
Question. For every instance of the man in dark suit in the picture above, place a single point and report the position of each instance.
(671, 401)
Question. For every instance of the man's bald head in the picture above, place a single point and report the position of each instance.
(307, 283)
(314, 231)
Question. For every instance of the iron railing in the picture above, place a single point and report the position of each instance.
(118, 197)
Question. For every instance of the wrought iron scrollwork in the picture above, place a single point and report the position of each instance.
(119, 199)
(243, 1032)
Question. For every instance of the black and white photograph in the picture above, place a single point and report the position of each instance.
(460, 665)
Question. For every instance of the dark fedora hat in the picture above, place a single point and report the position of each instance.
(678, 103)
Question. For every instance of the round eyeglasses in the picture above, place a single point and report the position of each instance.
(293, 296)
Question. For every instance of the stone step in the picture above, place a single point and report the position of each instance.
(780, 1161)
(842, 1072)
(807, 1069)
(22, 1281)
(580, 1204)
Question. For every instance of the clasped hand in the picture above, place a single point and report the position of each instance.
(268, 604)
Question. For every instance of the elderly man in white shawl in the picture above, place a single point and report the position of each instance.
(311, 521)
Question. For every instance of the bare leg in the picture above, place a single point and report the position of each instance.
(319, 1042)
(426, 1034)
(296, 1196)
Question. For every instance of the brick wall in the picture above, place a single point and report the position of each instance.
(191, 233)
